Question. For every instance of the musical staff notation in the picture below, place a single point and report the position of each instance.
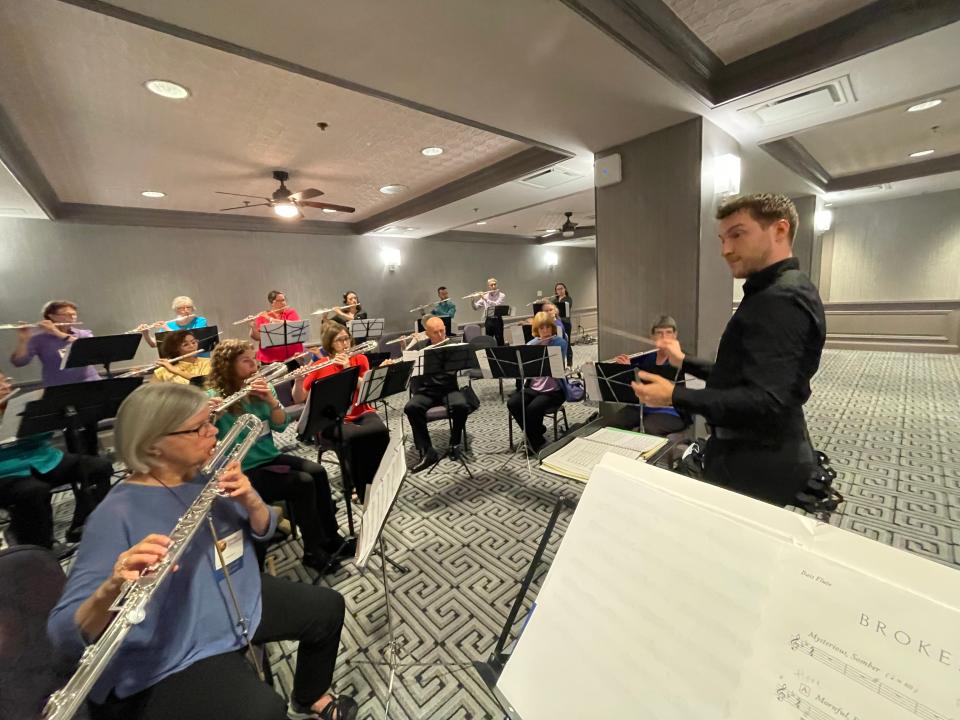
(871, 683)
(806, 709)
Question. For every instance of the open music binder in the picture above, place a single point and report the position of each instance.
(576, 459)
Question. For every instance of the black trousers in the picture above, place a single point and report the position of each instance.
(365, 441)
(28, 497)
(226, 686)
(660, 424)
(83, 441)
(304, 484)
(567, 329)
(416, 412)
(537, 405)
(773, 474)
(493, 326)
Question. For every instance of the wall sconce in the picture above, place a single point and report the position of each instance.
(390, 258)
(822, 221)
(726, 175)
(552, 259)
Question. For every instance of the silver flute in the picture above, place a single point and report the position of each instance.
(131, 604)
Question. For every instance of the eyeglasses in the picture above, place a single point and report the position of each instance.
(345, 338)
(209, 422)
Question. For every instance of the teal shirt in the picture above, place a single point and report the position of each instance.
(32, 453)
(263, 450)
(445, 308)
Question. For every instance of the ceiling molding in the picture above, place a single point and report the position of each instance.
(908, 171)
(652, 32)
(479, 237)
(104, 8)
(795, 156)
(146, 217)
(511, 168)
(18, 159)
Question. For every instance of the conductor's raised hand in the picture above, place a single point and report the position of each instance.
(653, 390)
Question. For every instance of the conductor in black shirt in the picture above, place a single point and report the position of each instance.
(768, 353)
(430, 391)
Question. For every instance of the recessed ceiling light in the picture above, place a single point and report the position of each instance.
(482, 222)
(925, 105)
(153, 194)
(392, 189)
(921, 153)
(432, 151)
(167, 89)
(329, 210)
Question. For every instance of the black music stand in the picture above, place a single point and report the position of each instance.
(101, 350)
(283, 333)
(382, 381)
(207, 338)
(447, 323)
(366, 328)
(520, 362)
(614, 380)
(538, 306)
(327, 405)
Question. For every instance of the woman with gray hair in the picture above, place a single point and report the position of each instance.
(184, 660)
(186, 319)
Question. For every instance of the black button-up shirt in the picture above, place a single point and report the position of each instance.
(768, 353)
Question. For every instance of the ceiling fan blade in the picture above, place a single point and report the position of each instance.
(549, 233)
(306, 194)
(244, 207)
(258, 197)
(329, 206)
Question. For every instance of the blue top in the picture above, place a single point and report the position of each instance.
(197, 322)
(47, 347)
(647, 362)
(190, 616)
(445, 308)
(549, 384)
(30, 453)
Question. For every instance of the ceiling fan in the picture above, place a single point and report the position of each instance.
(567, 230)
(287, 204)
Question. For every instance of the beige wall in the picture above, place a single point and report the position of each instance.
(122, 276)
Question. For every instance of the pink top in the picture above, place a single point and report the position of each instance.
(277, 353)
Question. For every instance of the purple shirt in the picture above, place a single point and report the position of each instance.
(47, 348)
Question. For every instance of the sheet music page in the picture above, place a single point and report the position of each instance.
(484, 362)
(715, 606)
(556, 361)
(588, 371)
(11, 417)
(380, 498)
(627, 439)
(578, 457)
(416, 357)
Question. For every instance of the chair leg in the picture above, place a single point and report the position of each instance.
(292, 518)
(510, 430)
(500, 380)
(555, 426)
(566, 424)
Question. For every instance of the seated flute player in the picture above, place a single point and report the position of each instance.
(176, 344)
(656, 420)
(430, 391)
(186, 659)
(275, 476)
(541, 395)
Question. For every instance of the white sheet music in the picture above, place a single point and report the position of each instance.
(715, 606)
(380, 498)
(627, 439)
(577, 458)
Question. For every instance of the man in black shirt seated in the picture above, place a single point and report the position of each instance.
(768, 353)
(430, 391)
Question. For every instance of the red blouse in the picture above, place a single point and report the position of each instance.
(359, 361)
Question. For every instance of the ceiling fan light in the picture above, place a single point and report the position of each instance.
(286, 210)
(329, 210)
(568, 233)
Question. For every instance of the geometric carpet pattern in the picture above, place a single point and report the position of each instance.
(890, 423)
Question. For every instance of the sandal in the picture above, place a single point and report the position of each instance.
(341, 707)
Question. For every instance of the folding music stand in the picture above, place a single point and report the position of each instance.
(101, 350)
(327, 404)
(366, 329)
(538, 306)
(520, 362)
(613, 382)
(283, 333)
(207, 338)
(382, 381)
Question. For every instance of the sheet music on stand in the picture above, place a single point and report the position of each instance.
(368, 328)
(380, 499)
(284, 332)
(448, 358)
(381, 382)
(100, 350)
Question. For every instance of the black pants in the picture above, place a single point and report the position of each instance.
(304, 484)
(83, 441)
(493, 326)
(28, 497)
(365, 441)
(660, 424)
(567, 329)
(226, 686)
(773, 474)
(416, 411)
(538, 404)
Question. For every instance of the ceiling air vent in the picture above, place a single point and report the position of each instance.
(819, 98)
(550, 178)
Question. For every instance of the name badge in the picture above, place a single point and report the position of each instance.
(231, 548)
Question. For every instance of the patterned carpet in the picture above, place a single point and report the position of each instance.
(889, 421)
